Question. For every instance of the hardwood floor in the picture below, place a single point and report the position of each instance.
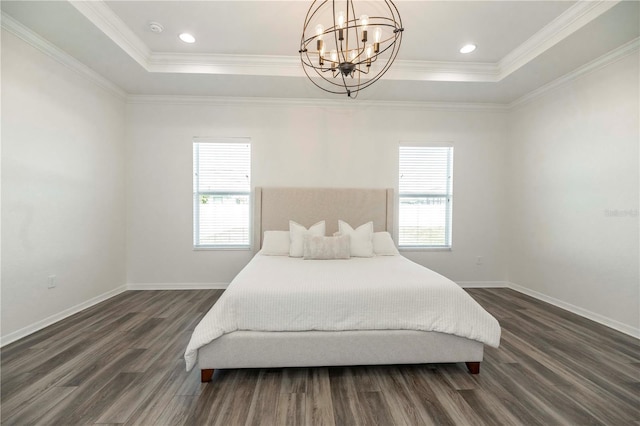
(120, 362)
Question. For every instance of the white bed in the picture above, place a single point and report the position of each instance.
(289, 312)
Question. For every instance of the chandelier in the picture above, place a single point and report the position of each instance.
(349, 52)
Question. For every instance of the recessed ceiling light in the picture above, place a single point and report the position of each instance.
(187, 38)
(468, 48)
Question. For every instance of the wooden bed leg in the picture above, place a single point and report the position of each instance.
(474, 367)
(206, 374)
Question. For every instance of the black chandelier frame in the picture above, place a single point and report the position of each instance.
(354, 58)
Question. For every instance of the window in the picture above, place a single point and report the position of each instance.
(221, 193)
(425, 196)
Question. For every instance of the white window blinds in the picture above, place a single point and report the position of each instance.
(221, 193)
(425, 196)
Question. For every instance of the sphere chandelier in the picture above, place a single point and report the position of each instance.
(349, 52)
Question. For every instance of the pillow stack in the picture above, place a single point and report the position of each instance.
(312, 244)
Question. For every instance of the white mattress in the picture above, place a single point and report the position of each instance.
(279, 293)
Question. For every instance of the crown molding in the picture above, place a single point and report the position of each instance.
(286, 66)
(574, 18)
(443, 71)
(103, 17)
(557, 30)
(289, 66)
(609, 58)
(17, 29)
(217, 101)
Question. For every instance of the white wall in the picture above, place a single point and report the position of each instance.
(63, 209)
(573, 157)
(346, 146)
(532, 187)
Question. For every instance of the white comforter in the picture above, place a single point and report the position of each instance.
(279, 293)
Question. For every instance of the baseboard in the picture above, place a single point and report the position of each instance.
(177, 286)
(482, 284)
(24, 332)
(600, 319)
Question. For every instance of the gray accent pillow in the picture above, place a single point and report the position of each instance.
(326, 248)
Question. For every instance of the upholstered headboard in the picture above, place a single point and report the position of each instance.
(274, 207)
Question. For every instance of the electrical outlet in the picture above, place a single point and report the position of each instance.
(479, 260)
(52, 281)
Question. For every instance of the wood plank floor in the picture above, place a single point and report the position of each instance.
(120, 362)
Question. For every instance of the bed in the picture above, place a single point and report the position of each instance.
(290, 312)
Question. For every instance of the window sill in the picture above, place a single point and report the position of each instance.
(222, 249)
(419, 249)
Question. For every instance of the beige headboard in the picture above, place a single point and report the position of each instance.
(274, 207)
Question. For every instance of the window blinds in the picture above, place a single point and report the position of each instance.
(425, 196)
(221, 193)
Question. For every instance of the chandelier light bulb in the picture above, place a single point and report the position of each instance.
(352, 55)
(364, 21)
(378, 35)
(369, 51)
(319, 31)
(341, 19)
(334, 55)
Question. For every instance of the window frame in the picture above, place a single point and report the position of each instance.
(196, 198)
(448, 246)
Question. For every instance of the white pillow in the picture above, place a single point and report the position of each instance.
(297, 233)
(275, 243)
(325, 248)
(361, 238)
(383, 244)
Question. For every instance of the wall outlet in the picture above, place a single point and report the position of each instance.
(52, 281)
(479, 260)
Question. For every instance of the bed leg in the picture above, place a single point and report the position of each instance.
(206, 374)
(474, 367)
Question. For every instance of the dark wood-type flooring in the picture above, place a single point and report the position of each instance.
(120, 362)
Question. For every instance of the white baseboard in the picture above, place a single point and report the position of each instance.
(482, 284)
(601, 319)
(177, 286)
(30, 329)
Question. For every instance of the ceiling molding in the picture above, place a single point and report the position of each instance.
(557, 30)
(486, 70)
(574, 18)
(609, 58)
(287, 66)
(310, 103)
(442, 71)
(105, 19)
(19, 30)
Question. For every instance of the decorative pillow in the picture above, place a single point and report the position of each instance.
(383, 244)
(361, 238)
(297, 233)
(275, 243)
(325, 248)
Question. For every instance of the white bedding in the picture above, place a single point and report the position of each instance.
(279, 293)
